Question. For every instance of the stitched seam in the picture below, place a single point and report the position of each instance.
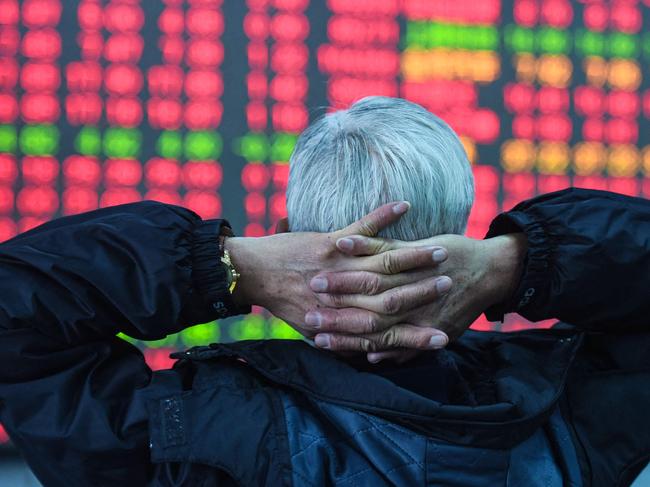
(326, 445)
(377, 427)
(298, 474)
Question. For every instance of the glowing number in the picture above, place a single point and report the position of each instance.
(280, 329)
(252, 147)
(170, 145)
(8, 138)
(206, 204)
(255, 177)
(201, 334)
(40, 169)
(202, 145)
(39, 139)
(122, 172)
(518, 155)
(82, 170)
(202, 175)
(553, 157)
(624, 160)
(122, 142)
(589, 158)
(88, 141)
(161, 172)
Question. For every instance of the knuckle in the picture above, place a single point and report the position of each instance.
(372, 284)
(389, 338)
(324, 250)
(372, 324)
(367, 228)
(337, 300)
(366, 345)
(392, 303)
(389, 263)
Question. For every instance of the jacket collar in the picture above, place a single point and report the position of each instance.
(518, 378)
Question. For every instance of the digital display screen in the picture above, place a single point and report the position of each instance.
(200, 102)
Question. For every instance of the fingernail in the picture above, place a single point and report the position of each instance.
(319, 284)
(443, 285)
(322, 341)
(439, 255)
(373, 359)
(437, 341)
(401, 207)
(313, 319)
(345, 243)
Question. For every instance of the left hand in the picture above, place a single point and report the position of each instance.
(276, 272)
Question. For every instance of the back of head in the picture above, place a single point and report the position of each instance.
(380, 150)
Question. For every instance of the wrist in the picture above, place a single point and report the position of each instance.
(506, 254)
(243, 258)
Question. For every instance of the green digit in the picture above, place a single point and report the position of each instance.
(8, 138)
(282, 146)
(88, 141)
(553, 41)
(170, 145)
(122, 142)
(201, 334)
(39, 140)
(416, 34)
(486, 38)
(252, 147)
(590, 43)
(438, 35)
(202, 145)
(280, 329)
(622, 45)
(520, 39)
(252, 327)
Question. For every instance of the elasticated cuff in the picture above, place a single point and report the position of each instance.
(208, 273)
(537, 264)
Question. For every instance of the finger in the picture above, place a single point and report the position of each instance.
(400, 260)
(360, 245)
(398, 336)
(396, 301)
(347, 321)
(399, 355)
(372, 274)
(362, 282)
(376, 220)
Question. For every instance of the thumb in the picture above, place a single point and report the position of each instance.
(375, 221)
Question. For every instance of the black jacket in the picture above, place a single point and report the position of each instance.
(84, 408)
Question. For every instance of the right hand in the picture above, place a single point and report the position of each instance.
(484, 273)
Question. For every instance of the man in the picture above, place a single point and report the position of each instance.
(495, 409)
(380, 150)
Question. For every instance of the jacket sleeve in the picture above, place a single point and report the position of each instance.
(588, 260)
(68, 386)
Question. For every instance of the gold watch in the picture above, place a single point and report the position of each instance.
(231, 273)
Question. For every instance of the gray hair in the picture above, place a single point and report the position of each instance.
(380, 150)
